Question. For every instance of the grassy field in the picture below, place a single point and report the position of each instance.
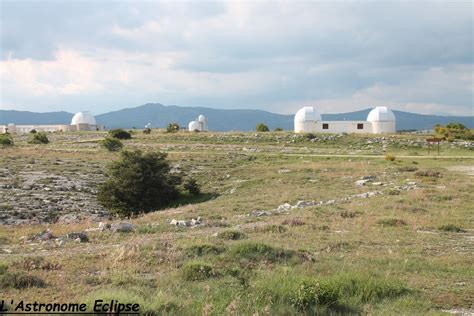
(408, 248)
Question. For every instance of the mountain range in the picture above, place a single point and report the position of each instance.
(219, 119)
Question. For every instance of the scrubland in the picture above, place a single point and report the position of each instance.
(284, 227)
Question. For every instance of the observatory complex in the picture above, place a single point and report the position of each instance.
(379, 121)
(199, 125)
(81, 121)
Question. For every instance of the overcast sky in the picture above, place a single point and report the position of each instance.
(338, 56)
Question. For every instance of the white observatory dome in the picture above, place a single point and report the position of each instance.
(83, 118)
(308, 113)
(193, 126)
(202, 118)
(381, 114)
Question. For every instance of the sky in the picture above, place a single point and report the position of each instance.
(279, 56)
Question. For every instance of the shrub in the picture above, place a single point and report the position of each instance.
(231, 235)
(6, 140)
(39, 138)
(203, 250)
(278, 129)
(172, 128)
(147, 131)
(257, 251)
(192, 187)
(33, 131)
(272, 229)
(451, 228)
(3, 268)
(120, 134)
(389, 157)
(407, 169)
(391, 222)
(309, 294)
(112, 144)
(196, 271)
(310, 136)
(261, 127)
(428, 173)
(138, 183)
(20, 281)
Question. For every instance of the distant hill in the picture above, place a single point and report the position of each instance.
(28, 118)
(219, 119)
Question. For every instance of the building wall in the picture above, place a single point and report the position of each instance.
(345, 127)
(384, 127)
(21, 129)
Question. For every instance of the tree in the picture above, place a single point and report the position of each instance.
(120, 134)
(192, 186)
(39, 138)
(112, 144)
(262, 128)
(172, 128)
(138, 183)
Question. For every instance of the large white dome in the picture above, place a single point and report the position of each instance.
(202, 118)
(193, 126)
(83, 118)
(308, 113)
(381, 114)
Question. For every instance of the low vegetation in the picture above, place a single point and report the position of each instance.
(6, 140)
(112, 144)
(119, 134)
(39, 138)
(261, 127)
(453, 131)
(172, 128)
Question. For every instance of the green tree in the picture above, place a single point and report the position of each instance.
(261, 127)
(138, 183)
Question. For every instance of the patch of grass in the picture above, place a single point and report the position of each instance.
(231, 235)
(6, 140)
(293, 222)
(254, 251)
(394, 222)
(203, 250)
(20, 280)
(149, 229)
(277, 229)
(197, 271)
(3, 268)
(441, 198)
(451, 228)
(309, 294)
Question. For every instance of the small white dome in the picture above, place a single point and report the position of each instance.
(193, 126)
(83, 118)
(381, 114)
(308, 113)
(202, 118)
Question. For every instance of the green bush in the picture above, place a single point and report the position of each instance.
(6, 140)
(39, 138)
(192, 187)
(111, 144)
(278, 129)
(20, 281)
(197, 271)
(231, 235)
(138, 183)
(172, 128)
(451, 228)
(147, 131)
(120, 134)
(261, 127)
(203, 250)
(33, 131)
(254, 251)
(309, 294)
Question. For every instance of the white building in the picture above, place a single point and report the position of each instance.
(198, 125)
(81, 121)
(380, 120)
